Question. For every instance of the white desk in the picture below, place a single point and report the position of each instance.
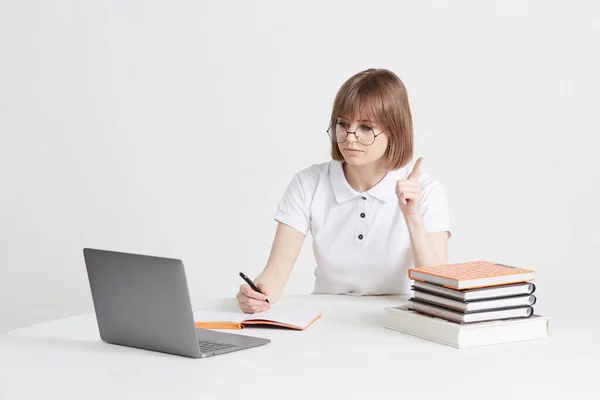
(345, 354)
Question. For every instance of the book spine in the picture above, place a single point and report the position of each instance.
(434, 293)
(465, 312)
(445, 296)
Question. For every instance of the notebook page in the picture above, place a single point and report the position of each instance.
(301, 317)
(287, 315)
(209, 315)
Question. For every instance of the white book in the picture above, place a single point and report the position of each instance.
(457, 335)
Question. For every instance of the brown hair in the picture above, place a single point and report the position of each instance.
(378, 94)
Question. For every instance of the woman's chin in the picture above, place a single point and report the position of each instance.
(354, 162)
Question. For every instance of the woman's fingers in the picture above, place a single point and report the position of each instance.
(257, 309)
(251, 302)
(248, 309)
(248, 292)
(407, 189)
(408, 186)
(409, 196)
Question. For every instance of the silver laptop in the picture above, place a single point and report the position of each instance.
(143, 302)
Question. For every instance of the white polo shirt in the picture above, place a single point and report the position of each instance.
(361, 241)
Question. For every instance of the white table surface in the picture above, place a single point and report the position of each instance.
(347, 353)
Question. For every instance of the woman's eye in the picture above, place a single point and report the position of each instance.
(342, 124)
(367, 128)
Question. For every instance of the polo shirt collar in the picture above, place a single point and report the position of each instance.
(385, 190)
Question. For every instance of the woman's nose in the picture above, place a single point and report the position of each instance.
(351, 136)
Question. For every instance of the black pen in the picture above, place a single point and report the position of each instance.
(252, 285)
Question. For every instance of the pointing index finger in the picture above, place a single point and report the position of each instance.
(415, 172)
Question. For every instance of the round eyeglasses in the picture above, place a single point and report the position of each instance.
(364, 134)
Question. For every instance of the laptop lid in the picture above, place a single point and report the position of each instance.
(142, 301)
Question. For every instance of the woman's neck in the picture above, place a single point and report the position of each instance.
(363, 178)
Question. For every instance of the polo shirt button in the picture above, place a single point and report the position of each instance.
(360, 237)
(362, 215)
(364, 198)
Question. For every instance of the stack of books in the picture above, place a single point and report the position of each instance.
(470, 304)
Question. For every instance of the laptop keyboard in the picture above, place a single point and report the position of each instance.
(213, 346)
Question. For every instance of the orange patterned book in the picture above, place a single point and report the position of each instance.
(472, 274)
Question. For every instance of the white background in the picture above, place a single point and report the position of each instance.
(172, 128)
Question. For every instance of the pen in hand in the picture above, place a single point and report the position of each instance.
(252, 285)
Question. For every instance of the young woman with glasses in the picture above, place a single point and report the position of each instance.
(371, 212)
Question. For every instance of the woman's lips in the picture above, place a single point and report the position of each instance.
(352, 151)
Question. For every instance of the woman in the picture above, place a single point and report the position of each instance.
(371, 212)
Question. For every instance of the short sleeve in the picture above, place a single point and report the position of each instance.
(294, 207)
(434, 206)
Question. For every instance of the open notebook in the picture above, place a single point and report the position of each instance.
(284, 317)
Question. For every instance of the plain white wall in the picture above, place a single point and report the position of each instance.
(172, 128)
